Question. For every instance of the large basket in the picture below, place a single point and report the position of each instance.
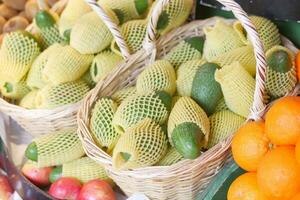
(183, 180)
(42, 121)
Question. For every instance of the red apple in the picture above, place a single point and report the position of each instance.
(5, 189)
(38, 176)
(65, 188)
(97, 190)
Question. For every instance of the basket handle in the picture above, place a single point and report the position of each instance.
(261, 64)
(113, 27)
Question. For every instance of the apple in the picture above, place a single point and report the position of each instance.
(38, 176)
(65, 188)
(97, 190)
(5, 189)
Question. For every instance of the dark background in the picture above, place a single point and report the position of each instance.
(275, 9)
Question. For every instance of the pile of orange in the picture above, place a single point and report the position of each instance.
(270, 151)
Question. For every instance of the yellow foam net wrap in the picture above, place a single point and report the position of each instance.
(221, 106)
(142, 145)
(159, 76)
(103, 64)
(154, 105)
(267, 30)
(281, 72)
(187, 110)
(84, 169)
(50, 35)
(34, 78)
(238, 88)
(28, 101)
(185, 76)
(101, 126)
(174, 15)
(134, 33)
(171, 157)
(244, 55)
(58, 148)
(222, 125)
(65, 65)
(189, 49)
(14, 90)
(90, 35)
(18, 51)
(73, 11)
(123, 94)
(220, 38)
(128, 9)
(52, 96)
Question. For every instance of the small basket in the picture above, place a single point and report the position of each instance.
(183, 180)
(43, 121)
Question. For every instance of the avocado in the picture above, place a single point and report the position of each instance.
(141, 6)
(188, 139)
(55, 174)
(280, 61)
(31, 152)
(206, 91)
(44, 19)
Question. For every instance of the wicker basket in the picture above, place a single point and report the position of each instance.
(42, 121)
(183, 180)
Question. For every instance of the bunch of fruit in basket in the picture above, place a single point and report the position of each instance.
(60, 61)
(190, 99)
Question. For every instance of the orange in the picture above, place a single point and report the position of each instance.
(278, 173)
(296, 197)
(249, 145)
(283, 121)
(298, 151)
(298, 65)
(245, 188)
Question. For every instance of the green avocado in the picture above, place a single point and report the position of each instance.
(67, 35)
(188, 139)
(165, 98)
(125, 156)
(163, 21)
(55, 174)
(8, 87)
(196, 42)
(31, 152)
(44, 19)
(206, 91)
(280, 61)
(141, 6)
(120, 15)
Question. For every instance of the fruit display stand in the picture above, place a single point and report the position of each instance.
(150, 154)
